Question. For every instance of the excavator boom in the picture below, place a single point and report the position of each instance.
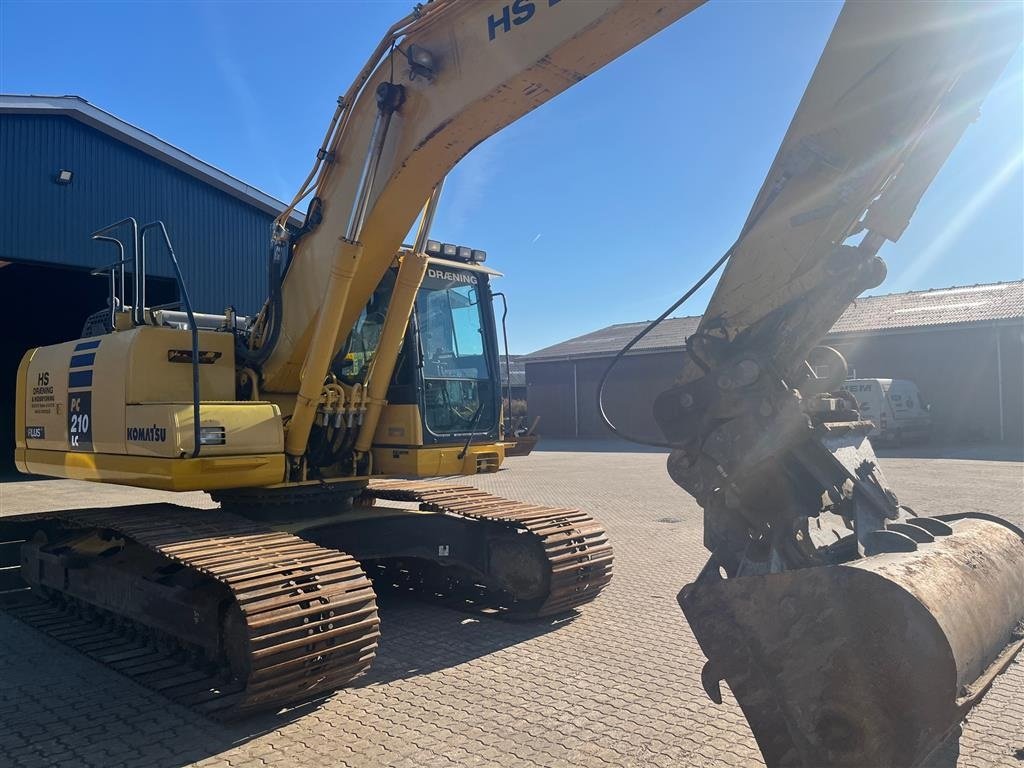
(490, 64)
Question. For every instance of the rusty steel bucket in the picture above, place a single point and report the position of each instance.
(869, 663)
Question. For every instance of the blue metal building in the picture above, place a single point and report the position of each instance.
(68, 168)
(220, 226)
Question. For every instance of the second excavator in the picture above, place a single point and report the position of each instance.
(851, 631)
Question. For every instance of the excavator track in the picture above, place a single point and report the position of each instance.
(577, 556)
(297, 620)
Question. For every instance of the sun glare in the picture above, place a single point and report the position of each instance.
(956, 224)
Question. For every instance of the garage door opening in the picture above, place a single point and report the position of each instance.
(47, 305)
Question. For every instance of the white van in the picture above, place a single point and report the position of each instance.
(894, 406)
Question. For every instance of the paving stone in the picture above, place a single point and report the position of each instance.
(618, 685)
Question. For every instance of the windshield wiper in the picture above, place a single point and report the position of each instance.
(472, 428)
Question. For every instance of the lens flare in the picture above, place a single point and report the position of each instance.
(959, 222)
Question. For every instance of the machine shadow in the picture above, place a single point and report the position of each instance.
(418, 638)
(962, 451)
(97, 717)
(1010, 452)
(12, 475)
(592, 445)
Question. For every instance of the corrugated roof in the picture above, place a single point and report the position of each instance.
(940, 306)
(958, 305)
(671, 334)
(81, 110)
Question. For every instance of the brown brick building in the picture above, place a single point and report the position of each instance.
(963, 346)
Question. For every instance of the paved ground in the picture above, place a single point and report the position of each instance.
(617, 685)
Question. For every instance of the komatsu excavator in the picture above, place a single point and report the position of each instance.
(851, 631)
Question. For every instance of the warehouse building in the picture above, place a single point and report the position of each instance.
(963, 346)
(513, 378)
(68, 168)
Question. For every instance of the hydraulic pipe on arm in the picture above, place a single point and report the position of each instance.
(468, 69)
(403, 299)
(343, 270)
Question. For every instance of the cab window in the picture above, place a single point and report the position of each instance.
(458, 390)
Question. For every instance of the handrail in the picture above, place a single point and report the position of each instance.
(508, 365)
(139, 276)
(116, 301)
(191, 321)
(166, 305)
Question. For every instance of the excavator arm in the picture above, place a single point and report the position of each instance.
(851, 631)
(895, 88)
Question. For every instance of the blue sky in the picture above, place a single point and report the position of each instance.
(601, 207)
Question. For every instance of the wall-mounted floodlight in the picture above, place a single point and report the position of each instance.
(64, 176)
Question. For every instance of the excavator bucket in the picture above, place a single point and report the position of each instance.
(873, 662)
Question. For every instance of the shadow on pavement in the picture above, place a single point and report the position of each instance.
(961, 451)
(594, 445)
(12, 475)
(418, 638)
(65, 711)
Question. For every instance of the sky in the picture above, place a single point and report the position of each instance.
(600, 207)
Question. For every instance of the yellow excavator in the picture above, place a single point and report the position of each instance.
(851, 631)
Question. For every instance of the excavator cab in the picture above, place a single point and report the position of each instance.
(445, 393)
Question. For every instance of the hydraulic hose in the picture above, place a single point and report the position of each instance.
(675, 305)
(272, 311)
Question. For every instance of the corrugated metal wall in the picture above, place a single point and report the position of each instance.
(956, 369)
(221, 242)
(563, 393)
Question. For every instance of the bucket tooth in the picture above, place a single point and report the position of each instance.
(873, 662)
(918, 534)
(930, 524)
